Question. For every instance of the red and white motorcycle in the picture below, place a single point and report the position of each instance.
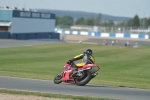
(84, 75)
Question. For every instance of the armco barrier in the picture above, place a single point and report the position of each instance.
(99, 34)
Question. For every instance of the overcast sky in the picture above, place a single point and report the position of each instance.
(125, 8)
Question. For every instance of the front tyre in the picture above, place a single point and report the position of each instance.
(58, 77)
(87, 76)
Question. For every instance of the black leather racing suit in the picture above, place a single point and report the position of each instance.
(87, 59)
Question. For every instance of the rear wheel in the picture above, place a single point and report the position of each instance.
(58, 77)
(83, 80)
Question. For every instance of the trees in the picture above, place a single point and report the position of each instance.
(148, 22)
(80, 21)
(89, 21)
(67, 20)
(98, 19)
(64, 21)
(110, 23)
(136, 21)
(145, 22)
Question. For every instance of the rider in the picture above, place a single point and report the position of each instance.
(86, 57)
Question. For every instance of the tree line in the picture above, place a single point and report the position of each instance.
(134, 22)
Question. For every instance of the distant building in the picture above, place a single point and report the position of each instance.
(27, 21)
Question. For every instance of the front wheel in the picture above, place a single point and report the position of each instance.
(87, 76)
(58, 77)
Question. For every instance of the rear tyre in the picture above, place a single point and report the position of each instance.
(58, 77)
(85, 79)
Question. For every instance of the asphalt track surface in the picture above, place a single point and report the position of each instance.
(102, 40)
(46, 86)
(88, 90)
(6, 43)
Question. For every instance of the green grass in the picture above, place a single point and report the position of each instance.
(70, 97)
(120, 66)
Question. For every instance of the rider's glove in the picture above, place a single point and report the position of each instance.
(70, 61)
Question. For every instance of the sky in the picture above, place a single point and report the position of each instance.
(122, 8)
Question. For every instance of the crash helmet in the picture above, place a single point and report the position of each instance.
(89, 51)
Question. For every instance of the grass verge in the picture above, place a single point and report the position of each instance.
(120, 66)
(70, 97)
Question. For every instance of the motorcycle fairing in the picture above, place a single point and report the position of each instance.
(92, 67)
(66, 76)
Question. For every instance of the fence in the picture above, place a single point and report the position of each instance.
(125, 30)
(100, 34)
(114, 29)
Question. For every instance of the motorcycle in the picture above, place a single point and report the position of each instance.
(84, 75)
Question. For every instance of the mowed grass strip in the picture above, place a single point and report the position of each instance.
(120, 66)
(51, 96)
